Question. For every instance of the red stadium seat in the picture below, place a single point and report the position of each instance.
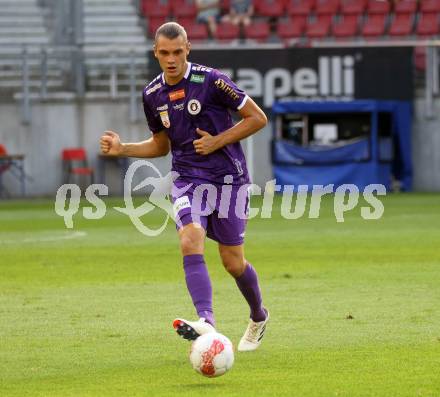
(402, 25)
(4, 166)
(428, 25)
(291, 28)
(269, 8)
(184, 9)
(353, 7)
(153, 24)
(3, 152)
(155, 8)
(300, 7)
(320, 28)
(226, 32)
(374, 26)
(197, 31)
(225, 5)
(347, 27)
(185, 21)
(429, 6)
(405, 7)
(75, 163)
(378, 7)
(327, 7)
(258, 31)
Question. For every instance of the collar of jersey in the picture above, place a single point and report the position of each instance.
(188, 71)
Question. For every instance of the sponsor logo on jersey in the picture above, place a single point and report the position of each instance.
(222, 85)
(165, 119)
(194, 107)
(238, 167)
(164, 107)
(201, 69)
(154, 88)
(181, 203)
(175, 95)
(197, 78)
(179, 107)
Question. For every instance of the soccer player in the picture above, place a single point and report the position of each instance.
(187, 110)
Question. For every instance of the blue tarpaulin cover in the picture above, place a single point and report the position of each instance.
(361, 162)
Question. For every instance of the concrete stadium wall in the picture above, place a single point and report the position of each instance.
(59, 124)
(426, 148)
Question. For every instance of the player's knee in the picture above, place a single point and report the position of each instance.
(190, 244)
(234, 263)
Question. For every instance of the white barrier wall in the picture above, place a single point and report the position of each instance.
(60, 124)
(426, 148)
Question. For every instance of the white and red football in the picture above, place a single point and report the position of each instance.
(212, 354)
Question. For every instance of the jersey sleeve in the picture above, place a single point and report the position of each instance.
(153, 120)
(226, 92)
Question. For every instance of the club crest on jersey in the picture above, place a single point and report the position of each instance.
(175, 95)
(194, 107)
(165, 119)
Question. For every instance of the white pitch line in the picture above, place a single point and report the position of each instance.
(66, 236)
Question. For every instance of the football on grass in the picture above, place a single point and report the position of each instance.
(212, 354)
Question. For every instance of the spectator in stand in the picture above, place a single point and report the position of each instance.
(240, 12)
(209, 13)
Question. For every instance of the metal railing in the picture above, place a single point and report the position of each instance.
(75, 80)
(112, 58)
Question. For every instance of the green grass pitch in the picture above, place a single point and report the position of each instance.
(355, 306)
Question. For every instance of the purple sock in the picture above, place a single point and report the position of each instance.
(248, 285)
(199, 286)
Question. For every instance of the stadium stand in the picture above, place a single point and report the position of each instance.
(428, 25)
(319, 28)
(347, 27)
(405, 7)
(22, 23)
(327, 7)
(270, 8)
(197, 31)
(184, 9)
(227, 32)
(292, 27)
(378, 7)
(258, 31)
(300, 7)
(113, 27)
(353, 7)
(374, 27)
(430, 6)
(308, 19)
(402, 24)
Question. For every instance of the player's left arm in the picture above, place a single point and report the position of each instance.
(253, 120)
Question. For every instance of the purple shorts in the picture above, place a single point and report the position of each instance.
(222, 210)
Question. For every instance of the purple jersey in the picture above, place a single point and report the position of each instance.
(202, 99)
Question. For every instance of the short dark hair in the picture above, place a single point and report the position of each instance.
(171, 30)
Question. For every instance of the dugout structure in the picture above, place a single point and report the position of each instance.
(357, 142)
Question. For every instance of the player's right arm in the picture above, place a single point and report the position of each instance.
(158, 145)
